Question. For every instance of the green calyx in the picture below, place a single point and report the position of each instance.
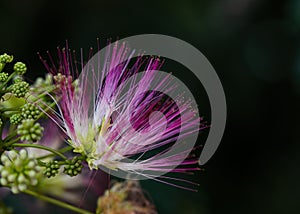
(20, 88)
(20, 68)
(30, 111)
(18, 170)
(30, 131)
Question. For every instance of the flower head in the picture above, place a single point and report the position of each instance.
(120, 114)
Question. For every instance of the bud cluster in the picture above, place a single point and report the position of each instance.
(20, 88)
(20, 68)
(16, 119)
(29, 130)
(30, 111)
(73, 167)
(3, 76)
(52, 169)
(21, 105)
(18, 170)
(5, 58)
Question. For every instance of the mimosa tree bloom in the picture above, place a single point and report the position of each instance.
(129, 122)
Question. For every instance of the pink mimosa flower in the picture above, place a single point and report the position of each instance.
(129, 124)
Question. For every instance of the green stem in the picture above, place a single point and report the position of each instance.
(9, 78)
(56, 202)
(63, 150)
(40, 147)
(12, 142)
(10, 136)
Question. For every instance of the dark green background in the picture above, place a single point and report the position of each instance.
(254, 46)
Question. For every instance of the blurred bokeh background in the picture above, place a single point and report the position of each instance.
(254, 45)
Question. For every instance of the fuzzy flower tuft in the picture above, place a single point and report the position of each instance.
(124, 127)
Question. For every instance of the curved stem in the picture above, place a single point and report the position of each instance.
(63, 150)
(40, 147)
(57, 202)
(12, 142)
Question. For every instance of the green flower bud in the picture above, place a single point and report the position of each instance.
(30, 111)
(18, 170)
(20, 88)
(5, 58)
(73, 167)
(1, 123)
(30, 131)
(20, 68)
(52, 169)
(3, 77)
(16, 119)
